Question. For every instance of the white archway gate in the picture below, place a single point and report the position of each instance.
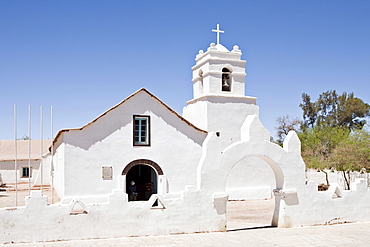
(286, 163)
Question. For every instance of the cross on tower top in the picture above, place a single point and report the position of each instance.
(218, 31)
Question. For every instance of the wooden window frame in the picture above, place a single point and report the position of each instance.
(148, 130)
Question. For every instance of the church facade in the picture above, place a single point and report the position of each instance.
(142, 140)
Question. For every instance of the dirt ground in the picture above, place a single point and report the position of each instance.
(249, 214)
(8, 197)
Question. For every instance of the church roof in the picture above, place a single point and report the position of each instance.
(122, 102)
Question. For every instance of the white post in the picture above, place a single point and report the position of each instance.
(122, 181)
(41, 147)
(162, 185)
(52, 155)
(15, 156)
(29, 150)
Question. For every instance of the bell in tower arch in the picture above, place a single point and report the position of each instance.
(226, 80)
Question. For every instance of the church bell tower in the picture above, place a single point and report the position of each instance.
(219, 72)
(219, 103)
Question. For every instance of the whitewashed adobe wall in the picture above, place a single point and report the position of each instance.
(199, 209)
(327, 207)
(175, 146)
(221, 114)
(336, 177)
(43, 175)
(184, 212)
(58, 161)
(319, 177)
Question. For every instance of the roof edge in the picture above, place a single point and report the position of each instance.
(60, 132)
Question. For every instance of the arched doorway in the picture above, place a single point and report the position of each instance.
(145, 179)
(144, 173)
(270, 209)
(251, 203)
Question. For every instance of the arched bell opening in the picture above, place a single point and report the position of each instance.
(200, 74)
(226, 80)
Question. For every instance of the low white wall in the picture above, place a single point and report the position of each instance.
(312, 207)
(334, 177)
(186, 212)
(319, 177)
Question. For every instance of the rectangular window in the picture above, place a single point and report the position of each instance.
(141, 130)
(107, 173)
(26, 172)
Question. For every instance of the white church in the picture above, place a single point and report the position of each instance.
(143, 140)
(185, 168)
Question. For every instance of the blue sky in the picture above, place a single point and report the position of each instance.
(83, 57)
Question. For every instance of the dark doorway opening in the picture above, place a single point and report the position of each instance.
(145, 179)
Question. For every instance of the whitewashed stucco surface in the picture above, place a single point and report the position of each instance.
(175, 146)
(194, 209)
(185, 212)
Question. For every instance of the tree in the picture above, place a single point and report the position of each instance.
(320, 141)
(332, 133)
(352, 154)
(284, 126)
(334, 110)
(25, 137)
(318, 144)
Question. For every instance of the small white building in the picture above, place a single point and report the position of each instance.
(24, 165)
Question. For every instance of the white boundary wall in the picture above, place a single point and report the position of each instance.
(312, 207)
(335, 177)
(187, 212)
(200, 209)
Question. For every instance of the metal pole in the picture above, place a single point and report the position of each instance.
(41, 143)
(52, 155)
(15, 155)
(29, 150)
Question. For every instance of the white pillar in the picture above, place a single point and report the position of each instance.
(122, 182)
(162, 185)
